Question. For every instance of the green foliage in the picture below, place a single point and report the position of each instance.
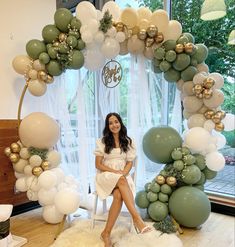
(229, 94)
(106, 22)
(152, 4)
(40, 152)
(230, 137)
(165, 226)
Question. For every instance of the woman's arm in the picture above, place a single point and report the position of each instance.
(100, 166)
(127, 168)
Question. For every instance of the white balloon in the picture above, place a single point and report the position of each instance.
(37, 88)
(209, 125)
(21, 184)
(143, 24)
(39, 130)
(33, 74)
(120, 37)
(35, 160)
(51, 215)
(215, 100)
(19, 175)
(47, 179)
(199, 78)
(215, 161)
(210, 148)
(32, 195)
(110, 48)
(160, 19)
(87, 36)
(46, 197)
(144, 13)
(220, 139)
(24, 153)
(173, 31)
(197, 139)
(62, 186)
(37, 65)
(83, 28)
(85, 11)
(112, 32)
(219, 80)
(229, 122)
(99, 15)
(20, 165)
(202, 67)
(113, 9)
(59, 174)
(28, 170)
(32, 183)
(94, 59)
(99, 37)
(21, 64)
(93, 26)
(54, 158)
(196, 120)
(67, 201)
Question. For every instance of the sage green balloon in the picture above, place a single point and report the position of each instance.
(189, 159)
(54, 68)
(164, 66)
(181, 62)
(35, 47)
(156, 62)
(81, 44)
(77, 59)
(201, 53)
(63, 48)
(50, 33)
(190, 37)
(183, 39)
(62, 18)
(49, 46)
(44, 58)
(209, 174)
(191, 174)
(189, 206)
(158, 210)
(155, 187)
(199, 186)
(52, 52)
(202, 179)
(185, 150)
(169, 45)
(200, 161)
(76, 34)
(159, 142)
(75, 23)
(178, 165)
(141, 199)
(172, 75)
(159, 53)
(163, 197)
(193, 62)
(147, 187)
(176, 155)
(189, 73)
(166, 189)
(151, 196)
(171, 56)
(72, 41)
(156, 69)
(163, 173)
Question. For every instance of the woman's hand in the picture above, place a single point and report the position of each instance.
(121, 172)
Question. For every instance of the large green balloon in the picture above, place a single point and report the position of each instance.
(159, 142)
(190, 37)
(62, 19)
(183, 39)
(189, 206)
(77, 60)
(172, 75)
(169, 45)
(50, 33)
(54, 68)
(209, 174)
(182, 62)
(191, 174)
(201, 53)
(141, 199)
(35, 47)
(189, 73)
(158, 210)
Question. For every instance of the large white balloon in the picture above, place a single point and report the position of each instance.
(37, 88)
(219, 80)
(39, 130)
(85, 11)
(173, 31)
(209, 125)
(144, 13)
(35, 160)
(46, 197)
(47, 179)
(129, 17)
(21, 184)
(215, 100)
(113, 9)
(22, 64)
(59, 174)
(110, 48)
(54, 158)
(197, 139)
(199, 78)
(229, 122)
(202, 67)
(94, 59)
(160, 19)
(215, 161)
(20, 165)
(32, 195)
(51, 215)
(32, 183)
(196, 120)
(67, 201)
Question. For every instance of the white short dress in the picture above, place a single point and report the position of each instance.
(106, 181)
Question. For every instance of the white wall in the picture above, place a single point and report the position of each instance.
(20, 21)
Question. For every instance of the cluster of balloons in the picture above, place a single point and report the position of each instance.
(35, 163)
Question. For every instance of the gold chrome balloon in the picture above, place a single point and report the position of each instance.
(149, 42)
(160, 179)
(50, 79)
(207, 93)
(171, 181)
(14, 157)
(189, 48)
(209, 114)
(119, 27)
(62, 37)
(37, 171)
(56, 44)
(142, 35)
(159, 38)
(45, 165)
(220, 114)
(15, 147)
(197, 89)
(208, 83)
(215, 118)
(179, 48)
(199, 95)
(152, 31)
(219, 126)
(7, 151)
(42, 75)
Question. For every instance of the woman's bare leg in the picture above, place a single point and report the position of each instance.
(112, 216)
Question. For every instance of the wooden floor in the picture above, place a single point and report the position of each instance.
(217, 231)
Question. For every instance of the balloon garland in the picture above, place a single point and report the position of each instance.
(88, 40)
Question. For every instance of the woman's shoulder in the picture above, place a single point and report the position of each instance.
(99, 141)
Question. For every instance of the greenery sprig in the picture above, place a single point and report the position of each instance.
(40, 152)
(165, 226)
(106, 22)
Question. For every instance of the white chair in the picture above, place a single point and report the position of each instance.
(103, 217)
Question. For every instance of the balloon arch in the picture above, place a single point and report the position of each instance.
(88, 40)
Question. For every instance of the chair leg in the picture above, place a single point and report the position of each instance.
(104, 206)
(94, 210)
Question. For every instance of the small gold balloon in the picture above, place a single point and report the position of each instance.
(171, 181)
(221, 114)
(160, 179)
(189, 48)
(152, 31)
(219, 126)
(216, 119)
(159, 38)
(207, 93)
(42, 75)
(14, 157)
(49, 79)
(208, 83)
(15, 147)
(119, 27)
(56, 44)
(149, 42)
(45, 165)
(209, 114)
(197, 89)
(37, 171)
(142, 35)
(7, 151)
(62, 37)
(199, 95)
(179, 48)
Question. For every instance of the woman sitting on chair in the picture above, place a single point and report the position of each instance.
(114, 155)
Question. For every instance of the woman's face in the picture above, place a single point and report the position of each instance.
(114, 125)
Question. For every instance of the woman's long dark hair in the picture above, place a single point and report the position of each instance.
(108, 138)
